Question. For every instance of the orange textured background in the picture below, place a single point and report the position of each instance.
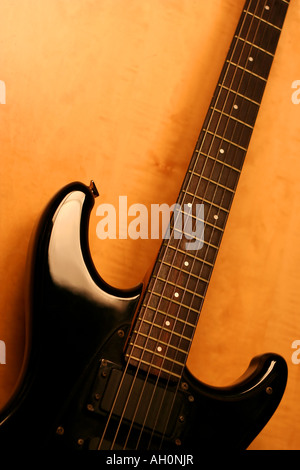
(117, 90)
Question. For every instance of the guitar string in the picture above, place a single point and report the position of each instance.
(126, 441)
(245, 72)
(161, 402)
(208, 152)
(250, 52)
(228, 175)
(141, 394)
(175, 280)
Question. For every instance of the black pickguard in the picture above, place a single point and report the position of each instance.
(77, 328)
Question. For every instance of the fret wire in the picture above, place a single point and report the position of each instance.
(184, 271)
(225, 140)
(167, 314)
(159, 341)
(217, 160)
(196, 257)
(246, 70)
(238, 94)
(176, 301)
(201, 220)
(156, 354)
(261, 19)
(177, 286)
(206, 201)
(212, 181)
(254, 45)
(142, 361)
(213, 108)
(164, 328)
(199, 239)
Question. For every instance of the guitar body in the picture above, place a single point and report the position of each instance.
(76, 390)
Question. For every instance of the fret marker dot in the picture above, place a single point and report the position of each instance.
(189, 204)
(251, 59)
(168, 323)
(186, 263)
(235, 106)
(216, 217)
(222, 150)
(267, 7)
(176, 294)
(159, 348)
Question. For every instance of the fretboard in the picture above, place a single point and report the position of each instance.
(165, 325)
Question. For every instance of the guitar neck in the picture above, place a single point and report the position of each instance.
(165, 326)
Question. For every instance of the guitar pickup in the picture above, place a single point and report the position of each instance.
(135, 399)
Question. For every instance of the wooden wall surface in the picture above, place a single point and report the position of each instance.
(117, 90)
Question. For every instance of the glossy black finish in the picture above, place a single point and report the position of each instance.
(75, 353)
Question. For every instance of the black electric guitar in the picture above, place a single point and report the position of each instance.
(105, 368)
